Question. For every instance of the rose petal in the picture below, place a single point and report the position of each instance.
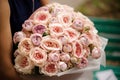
(28, 24)
(56, 30)
(25, 46)
(36, 39)
(39, 28)
(72, 34)
(18, 36)
(63, 66)
(51, 44)
(38, 56)
(23, 64)
(83, 63)
(41, 17)
(54, 56)
(67, 47)
(96, 53)
(77, 49)
(50, 69)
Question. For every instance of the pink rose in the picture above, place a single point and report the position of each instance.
(96, 53)
(28, 24)
(25, 46)
(50, 69)
(82, 63)
(56, 30)
(65, 57)
(78, 24)
(51, 44)
(38, 56)
(41, 17)
(39, 28)
(72, 34)
(54, 56)
(18, 36)
(65, 19)
(63, 66)
(23, 64)
(67, 47)
(36, 39)
(85, 39)
(16, 53)
(78, 49)
(63, 39)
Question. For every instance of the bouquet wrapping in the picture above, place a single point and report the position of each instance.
(57, 40)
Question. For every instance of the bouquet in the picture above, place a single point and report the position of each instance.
(56, 39)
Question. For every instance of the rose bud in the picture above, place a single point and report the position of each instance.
(82, 63)
(36, 39)
(16, 53)
(63, 39)
(63, 66)
(67, 47)
(96, 53)
(18, 36)
(84, 40)
(78, 24)
(54, 56)
(65, 57)
(73, 59)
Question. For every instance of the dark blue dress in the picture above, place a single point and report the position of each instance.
(20, 11)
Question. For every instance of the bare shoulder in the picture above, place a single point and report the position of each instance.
(4, 12)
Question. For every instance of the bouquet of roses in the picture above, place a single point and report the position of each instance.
(56, 39)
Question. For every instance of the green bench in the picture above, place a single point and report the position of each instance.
(110, 29)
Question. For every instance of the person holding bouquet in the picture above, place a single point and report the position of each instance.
(12, 15)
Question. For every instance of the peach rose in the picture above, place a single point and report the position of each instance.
(38, 56)
(23, 64)
(25, 46)
(50, 69)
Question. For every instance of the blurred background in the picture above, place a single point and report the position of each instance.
(95, 8)
(106, 16)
